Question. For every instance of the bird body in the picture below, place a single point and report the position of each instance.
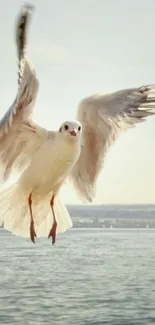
(51, 163)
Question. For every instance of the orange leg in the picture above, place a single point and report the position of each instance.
(52, 232)
(32, 230)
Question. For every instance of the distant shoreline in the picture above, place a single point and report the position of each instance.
(112, 216)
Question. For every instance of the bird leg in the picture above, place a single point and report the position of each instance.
(52, 232)
(32, 230)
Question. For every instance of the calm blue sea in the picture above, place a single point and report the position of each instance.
(90, 277)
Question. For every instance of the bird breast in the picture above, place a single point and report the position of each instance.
(50, 165)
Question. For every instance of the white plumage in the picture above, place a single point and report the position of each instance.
(43, 159)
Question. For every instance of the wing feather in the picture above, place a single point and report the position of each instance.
(28, 84)
(102, 118)
(19, 136)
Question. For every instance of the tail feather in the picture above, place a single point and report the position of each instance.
(15, 216)
(63, 220)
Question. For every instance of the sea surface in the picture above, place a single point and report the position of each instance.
(90, 277)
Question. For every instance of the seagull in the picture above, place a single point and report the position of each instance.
(42, 160)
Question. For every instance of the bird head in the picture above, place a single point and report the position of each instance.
(71, 129)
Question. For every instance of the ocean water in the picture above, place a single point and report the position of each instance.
(90, 277)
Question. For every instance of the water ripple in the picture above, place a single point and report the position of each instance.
(89, 278)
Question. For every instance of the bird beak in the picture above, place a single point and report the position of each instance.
(73, 133)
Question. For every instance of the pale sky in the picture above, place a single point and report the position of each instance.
(80, 47)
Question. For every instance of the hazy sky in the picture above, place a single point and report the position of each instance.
(80, 47)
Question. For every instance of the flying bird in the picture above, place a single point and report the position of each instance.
(42, 160)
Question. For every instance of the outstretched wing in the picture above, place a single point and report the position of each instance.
(18, 137)
(23, 104)
(102, 118)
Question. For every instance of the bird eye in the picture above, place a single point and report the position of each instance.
(79, 128)
(66, 127)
